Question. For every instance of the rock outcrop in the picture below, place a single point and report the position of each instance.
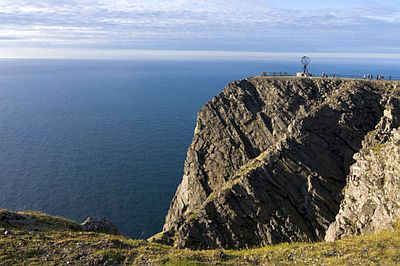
(269, 160)
(372, 193)
(99, 225)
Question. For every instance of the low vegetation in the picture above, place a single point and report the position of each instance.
(56, 241)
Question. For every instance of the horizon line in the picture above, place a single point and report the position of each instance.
(110, 54)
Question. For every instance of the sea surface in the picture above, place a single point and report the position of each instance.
(109, 138)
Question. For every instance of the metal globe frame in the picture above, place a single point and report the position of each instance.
(305, 61)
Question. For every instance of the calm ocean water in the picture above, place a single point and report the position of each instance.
(109, 138)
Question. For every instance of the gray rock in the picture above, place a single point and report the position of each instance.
(269, 160)
(372, 193)
(100, 225)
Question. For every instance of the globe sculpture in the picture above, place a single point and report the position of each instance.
(305, 61)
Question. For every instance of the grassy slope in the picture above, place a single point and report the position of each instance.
(57, 242)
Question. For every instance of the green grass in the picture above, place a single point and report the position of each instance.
(60, 243)
(50, 223)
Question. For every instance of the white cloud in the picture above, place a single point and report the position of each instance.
(187, 5)
(189, 24)
(179, 54)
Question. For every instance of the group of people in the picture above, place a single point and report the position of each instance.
(325, 75)
(369, 76)
(378, 77)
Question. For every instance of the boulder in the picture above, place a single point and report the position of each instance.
(100, 225)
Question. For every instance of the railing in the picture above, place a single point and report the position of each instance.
(327, 75)
(280, 74)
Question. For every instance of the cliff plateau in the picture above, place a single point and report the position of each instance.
(283, 159)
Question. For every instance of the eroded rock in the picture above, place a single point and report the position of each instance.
(372, 193)
(99, 225)
(269, 160)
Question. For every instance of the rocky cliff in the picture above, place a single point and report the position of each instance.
(271, 156)
(372, 194)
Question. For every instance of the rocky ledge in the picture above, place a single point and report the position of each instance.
(283, 159)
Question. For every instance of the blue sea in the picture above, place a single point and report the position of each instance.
(109, 138)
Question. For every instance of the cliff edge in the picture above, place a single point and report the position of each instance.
(270, 158)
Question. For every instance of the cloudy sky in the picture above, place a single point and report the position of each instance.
(118, 28)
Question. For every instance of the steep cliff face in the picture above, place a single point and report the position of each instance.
(269, 160)
(372, 194)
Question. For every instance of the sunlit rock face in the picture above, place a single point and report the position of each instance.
(270, 158)
(372, 194)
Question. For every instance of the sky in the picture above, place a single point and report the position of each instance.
(225, 28)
